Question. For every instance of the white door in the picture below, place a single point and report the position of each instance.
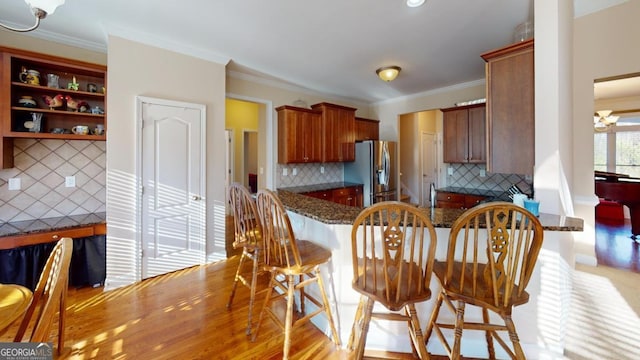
(429, 161)
(173, 185)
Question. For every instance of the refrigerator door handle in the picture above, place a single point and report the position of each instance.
(384, 173)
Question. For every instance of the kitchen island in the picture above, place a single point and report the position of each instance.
(541, 322)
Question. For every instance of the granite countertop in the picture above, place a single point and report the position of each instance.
(491, 195)
(319, 187)
(51, 224)
(332, 213)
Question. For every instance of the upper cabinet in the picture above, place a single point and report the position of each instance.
(299, 138)
(464, 134)
(338, 132)
(367, 129)
(510, 109)
(48, 97)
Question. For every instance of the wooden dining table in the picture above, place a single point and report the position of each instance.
(14, 300)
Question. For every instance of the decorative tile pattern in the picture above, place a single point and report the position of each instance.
(308, 174)
(42, 166)
(468, 176)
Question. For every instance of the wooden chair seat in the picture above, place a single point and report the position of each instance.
(248, 236)
(492, 252)
(393, 248)
(293, 264)
(466, 291)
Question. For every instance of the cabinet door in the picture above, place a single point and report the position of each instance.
(351, 196)
(338, 132)
(299, 134)
(455, 130)
(477, 135)
(449, 200)
(510, 109)
(366, 129)
(324, 195)
(472, 200)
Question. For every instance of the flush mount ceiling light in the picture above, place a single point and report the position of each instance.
(388, 73)
(40, 9)
(414, 3)
(604, 120)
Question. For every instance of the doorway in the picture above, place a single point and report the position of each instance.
(172, 162)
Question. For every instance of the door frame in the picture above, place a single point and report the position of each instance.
(424, 191)
(140, 100)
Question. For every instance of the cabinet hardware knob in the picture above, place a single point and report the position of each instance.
(195, 197)
(55, 237)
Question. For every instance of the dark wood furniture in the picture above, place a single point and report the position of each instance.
(622, 189)
(299, 139)
(510, 109)
(464, 136)
(367, 129)
(349, 195)
(13, 115)
(338, 132)
(452, 200)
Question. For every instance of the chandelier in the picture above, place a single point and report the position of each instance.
(40, 9)
(604, 120)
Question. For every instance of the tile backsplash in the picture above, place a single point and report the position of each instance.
(468, 176)
(308, 174)
(42, 165)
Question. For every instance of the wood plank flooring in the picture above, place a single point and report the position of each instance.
(182, 315)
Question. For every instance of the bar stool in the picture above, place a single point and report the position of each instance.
(288, 259)
(248, 236)
(492, 252)
(393, 248)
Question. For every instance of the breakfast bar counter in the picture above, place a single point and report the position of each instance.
(541, 322)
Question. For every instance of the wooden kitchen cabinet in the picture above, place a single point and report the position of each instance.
(511, 109)
(299, 135)
(451, 200)
(338, 132)
(350, 195)
(464, 134)
(367, 129)
(15, 117)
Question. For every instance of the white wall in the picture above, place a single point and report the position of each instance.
(604, 44)
(138, 69)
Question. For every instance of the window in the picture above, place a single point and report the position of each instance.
(619, 150)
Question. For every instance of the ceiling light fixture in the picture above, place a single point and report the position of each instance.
(40, 9)
(414, 3)
(388, 73)
(604, 120)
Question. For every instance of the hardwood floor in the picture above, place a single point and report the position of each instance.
(182, 315)
(615, 247)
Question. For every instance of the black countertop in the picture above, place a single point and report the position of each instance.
(51, 224)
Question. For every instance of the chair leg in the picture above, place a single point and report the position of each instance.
(237, 277)
(254, 281)
(455, 353)
(62, 317)
(327, 308)
(433, 319)
(358, 322)
(513, 335)
(365, 329)
(288, 317)
(265, 304)
(490, 348)
(302, 308)
(415, 331)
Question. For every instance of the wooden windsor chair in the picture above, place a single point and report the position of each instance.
(492, 253)
(288, 259)
(49, 296)
(248, 236)
(393, 248)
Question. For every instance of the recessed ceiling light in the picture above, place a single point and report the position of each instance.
(414, 3)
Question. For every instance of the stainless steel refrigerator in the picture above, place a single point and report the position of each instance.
(376, 168)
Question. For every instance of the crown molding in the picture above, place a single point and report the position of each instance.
(432, 92)
(43, 34)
